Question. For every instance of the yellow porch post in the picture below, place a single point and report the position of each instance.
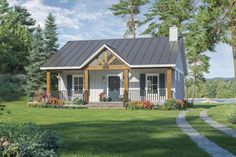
(86, 86)
(126, 85)
(49, 83)
(169, 83)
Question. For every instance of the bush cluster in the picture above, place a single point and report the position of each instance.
(44, 105)
(138, 105)
(232, 117)
(78, 101)
(11, 86)
(173, 104)
(28, 140)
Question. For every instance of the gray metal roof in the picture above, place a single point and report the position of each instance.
(139, 51)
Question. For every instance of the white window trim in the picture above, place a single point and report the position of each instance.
(146, 81)
(73, 76)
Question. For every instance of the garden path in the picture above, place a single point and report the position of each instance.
(228, 131)
(204, 143)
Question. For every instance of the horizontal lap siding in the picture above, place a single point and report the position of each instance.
(97, 85)
(134, 81)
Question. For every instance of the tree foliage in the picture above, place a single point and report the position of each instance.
(50, 35)
(15, 39)
(129, 10)
(215, 88)
(35, 76)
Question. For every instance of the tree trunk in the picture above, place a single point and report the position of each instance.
(132, 19)
(194, 81)
(186, 89)
(233, 36)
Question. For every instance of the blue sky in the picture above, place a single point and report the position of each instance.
(90, 19)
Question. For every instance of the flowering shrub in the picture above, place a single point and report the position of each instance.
(181, 104)
(148, 105)
(137, 105)
(103, 97)
(41, 98)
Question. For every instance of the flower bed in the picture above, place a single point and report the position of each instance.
(138, 105)
(44, 105)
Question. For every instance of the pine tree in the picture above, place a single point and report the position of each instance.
(50, 35)
(220, 18)
(188, 18)
(35, 76)
(166, 13)
(129, 10)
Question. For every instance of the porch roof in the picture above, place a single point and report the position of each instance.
(137, 53)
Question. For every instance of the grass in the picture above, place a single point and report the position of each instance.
(106, 133)
(211, 133)
(220, 114)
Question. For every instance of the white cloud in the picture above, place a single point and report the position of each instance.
(69, 18)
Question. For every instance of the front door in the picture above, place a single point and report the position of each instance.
(114, 88)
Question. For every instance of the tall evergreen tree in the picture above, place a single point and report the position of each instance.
(129, 10)
(187, 16)
(166, 13)
(50, 35)
(220, 18)
(15, 39)
(24, 17)
(35, 76)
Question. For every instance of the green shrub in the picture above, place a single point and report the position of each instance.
(11, 86)
(78, 101)
(28, 140)
(169, 104)
(190, 104)
(232, 117)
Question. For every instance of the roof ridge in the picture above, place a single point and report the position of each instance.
(120, 38)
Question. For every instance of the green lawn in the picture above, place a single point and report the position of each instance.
(221, 112)
(106, 133)
(211, 133)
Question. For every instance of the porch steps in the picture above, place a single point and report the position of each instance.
(105, 105)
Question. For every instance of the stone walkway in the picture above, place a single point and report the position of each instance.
(228, 131)
(204, 143)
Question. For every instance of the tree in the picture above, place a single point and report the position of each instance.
(166, 13)
(24, 17)
(36, 77)
(189, 18)
(221, 19)
(15, 40)
(50, 35)
(129, 10)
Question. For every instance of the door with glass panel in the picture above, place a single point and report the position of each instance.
(152, 87)
(78, 86)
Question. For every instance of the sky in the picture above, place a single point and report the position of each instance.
(91, 19)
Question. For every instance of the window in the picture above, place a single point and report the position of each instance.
(78, 84)
(178, 76)
(152, 84)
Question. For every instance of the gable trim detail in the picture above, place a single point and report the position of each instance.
(99, 51)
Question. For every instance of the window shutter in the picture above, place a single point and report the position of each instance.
(142, 84)
(69, 84)
(162, 84)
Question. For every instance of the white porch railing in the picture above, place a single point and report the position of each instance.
(68, 95)
(159, 95)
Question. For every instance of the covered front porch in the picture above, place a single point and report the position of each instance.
(106, 73)
(120, 85)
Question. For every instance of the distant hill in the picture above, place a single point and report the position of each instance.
(221, 78)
